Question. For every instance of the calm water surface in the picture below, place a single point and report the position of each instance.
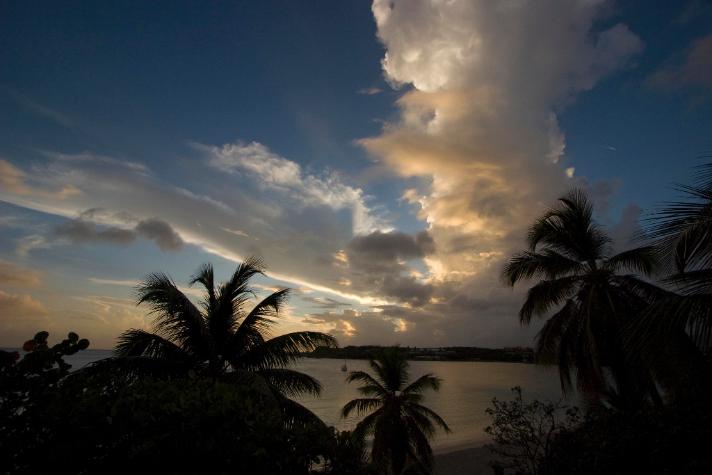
(467, 390)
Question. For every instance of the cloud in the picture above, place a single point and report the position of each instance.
(479, 125)
(325, 302)
(391, 245)
(478, 133)
(627, 231)
(40, 109)
(82, 231)
(693, 71)
(161, 233)
(12, 179)
(370, 91)
(21, 316)
(13, 275)
(18, 276)
(277, 173)
(297, 241)
(476, 137)
(379, 262)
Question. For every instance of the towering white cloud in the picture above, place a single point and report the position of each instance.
(484, 81)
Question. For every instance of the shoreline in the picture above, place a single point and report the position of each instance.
(473, 460)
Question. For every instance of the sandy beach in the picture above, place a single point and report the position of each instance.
(470, 461)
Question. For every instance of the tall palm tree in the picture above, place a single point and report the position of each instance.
(220, 338)
(400, 425)
(589, 297)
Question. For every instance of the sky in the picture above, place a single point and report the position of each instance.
(383, 159)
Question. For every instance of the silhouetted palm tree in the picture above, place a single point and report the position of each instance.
(683, 234)
(592, 296)
(400, 425)
(222, 337)
(676, 330)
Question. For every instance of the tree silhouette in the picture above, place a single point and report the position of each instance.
(220, 338)
(400, 425)
(593, 297)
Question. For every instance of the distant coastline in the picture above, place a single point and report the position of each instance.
(447, 353)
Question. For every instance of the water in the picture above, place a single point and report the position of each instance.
(467, 390)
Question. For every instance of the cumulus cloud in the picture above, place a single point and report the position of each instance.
(282, 175)
(484, 82)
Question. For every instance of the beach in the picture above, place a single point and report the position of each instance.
(467, 461)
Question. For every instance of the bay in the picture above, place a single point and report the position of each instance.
(467, 390)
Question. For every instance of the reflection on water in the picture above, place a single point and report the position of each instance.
(467, 389)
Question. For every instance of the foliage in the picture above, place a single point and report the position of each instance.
(179, 425)
(523, 432)
(546, 438)
(667, 440)
(346, 455)
(590, 297)
(25, 380)
(400, 425)
(27, 385)
(675, 332)
(220, 338)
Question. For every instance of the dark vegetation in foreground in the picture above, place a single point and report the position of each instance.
(210, 391)
(448, 353)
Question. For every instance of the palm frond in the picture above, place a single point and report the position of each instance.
(297, 415)
(547, 263)
(367, 424)
(255, 327)
(290, 383)
(547, 294)
(371, 386)
(206, 277)
(432, 415)
(361, 406)
(643, 260)
(283, 350)
(176, 316)
(136, 342)
(570, 229)
(426, 381)
(231, 298)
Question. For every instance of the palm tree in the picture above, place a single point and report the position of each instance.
(592, 294)
(400, 425)
(220, 338)
(683, 235)
(676, 331)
